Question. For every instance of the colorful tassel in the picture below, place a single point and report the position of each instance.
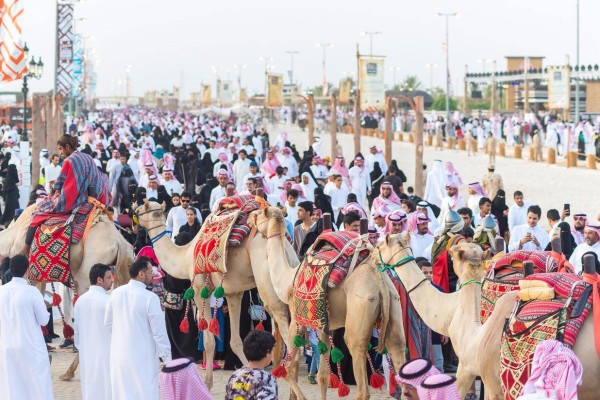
(205, 293)
(68, 331)
(299, 341)
(279, 372)
(336, 355)
(334, 381)
(385, 351)
(219, 292)
(202, 324)
(189, 294)
(214, 328)
(369, 346)
(322, 348)
(56, 299)
(260, 326)
(376, 381)
(184, 326)
(343, 390)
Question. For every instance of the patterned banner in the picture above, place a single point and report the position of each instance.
(206, 95)
(372, 91)
(64, 48)
(225, 92)
(275, 98)
(243, 96)
(12, 56)
(345, 88)
(559, 88)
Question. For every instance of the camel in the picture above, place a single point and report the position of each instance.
(178, 261)
(457, 315)
(366, 292)
(113, 250)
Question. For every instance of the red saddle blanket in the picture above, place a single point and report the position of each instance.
(537, 320)
(77, 220)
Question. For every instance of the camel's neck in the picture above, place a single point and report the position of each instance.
(434, 307)
(171, 257)
(282, 262)
(469, 307)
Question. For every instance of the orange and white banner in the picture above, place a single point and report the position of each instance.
(372, 90)
(344, 93)
(275, 98)
(12, 56)
(206, 95)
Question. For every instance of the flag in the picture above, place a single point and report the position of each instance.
(344, 92)
(12, 56)
(206, 95)
(275, 96)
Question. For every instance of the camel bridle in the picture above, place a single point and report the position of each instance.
(403, 261)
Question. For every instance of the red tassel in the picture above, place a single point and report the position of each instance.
(260, 326)
(334, 381)
(75, 298)
(184, 326)
(279, 372)
(44, 331)
(214, 328)
(68, 331)
(393, 384)
(202, 324)
(343, 390)
(56, 299)
(376, 381)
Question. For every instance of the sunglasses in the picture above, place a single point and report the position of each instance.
(185, 201)
(578, 218)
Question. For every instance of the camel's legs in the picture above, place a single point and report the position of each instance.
(323, 374)
(70, 374)
(395, 341)
(234, 303)
(209, 339)
(464, 380)
(292, 365)
(279, 348)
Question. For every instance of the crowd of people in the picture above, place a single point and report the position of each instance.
(189, 164)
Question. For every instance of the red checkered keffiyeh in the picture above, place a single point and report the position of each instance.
(438, 387)
(179, 380)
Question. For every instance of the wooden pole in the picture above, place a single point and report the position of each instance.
(310, 103)
(419, 108)
(493, 100)
(589, 264)
(528, 268)
(388, 130)
(333, 128)
(499, 245)
(38, 134)
(364, 226)
(357, 105)
(466, 91)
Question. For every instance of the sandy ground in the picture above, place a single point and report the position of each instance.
(549, 186)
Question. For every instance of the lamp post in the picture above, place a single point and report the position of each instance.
(394, 69)
(484, 61)
(291, 73)
(371, 34)
(431, 67)
(447, 16)
(266, 60)
(577, 79)
(324, 46)
(35, 70)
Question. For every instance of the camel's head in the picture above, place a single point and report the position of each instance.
(468, 259)
(150, 215)
(268, 221)
(394, 250)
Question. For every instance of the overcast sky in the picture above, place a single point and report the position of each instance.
(165, 40)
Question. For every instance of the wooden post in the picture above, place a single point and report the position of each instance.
(419, 108)
(388, 130)
(327, 221)
(589, 264)
(38, 134)
(499, 245)
(333, 128)
(528, 268)
(364, 226)
(357, 122)
(466, 91)
(493, 101)
(310, 102)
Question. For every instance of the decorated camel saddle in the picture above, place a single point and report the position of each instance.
(227, 227)
(548, 306)
(328, 261)
(49, 255)
(506, 269)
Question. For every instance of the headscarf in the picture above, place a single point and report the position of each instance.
(225, 161)
(269, 166)
(478, 189)
(416, 218)
(359, 160)
(386, 204)
(309, 188)
(499, 203)
(567, 242)
(415, 371)
(180, 380)
(301, 195)
(436, 183)
(452, 173)
(395, 217)
(323, 201)
(287, 185)
(354, 207)
(574, 231)
(339, 168)
(438, 387)
(169, 165)
(593, 228)
(555, 372)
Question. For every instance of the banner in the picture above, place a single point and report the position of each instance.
(372, 91)
(345, 88)
(559, 85)
(63, 78)
(206, 96)
(275, 98)
(243, 96)
(225, 92)
(12, 56)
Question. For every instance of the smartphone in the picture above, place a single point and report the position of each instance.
(567, 209)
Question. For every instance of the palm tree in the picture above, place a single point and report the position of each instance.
(411, 83)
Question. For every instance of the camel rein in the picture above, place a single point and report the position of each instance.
(383, 265)
(159, 236)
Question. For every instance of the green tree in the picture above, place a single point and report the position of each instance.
(318, 90)
(410, 83)
(436, 92)
(439, 104)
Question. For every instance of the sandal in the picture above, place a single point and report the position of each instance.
(471, 396)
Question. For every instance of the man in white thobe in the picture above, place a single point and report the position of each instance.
(529, 236)
(51, 172)
(240, 169)
(24, 364)
(376, 156)
(288, 161)
(360, 180)
(420, 238)
(591, 244)
(452, 202)
(339, 196)
(92, 337)
(140, 336)
(517, 213)
(218, 192)
(177, 215)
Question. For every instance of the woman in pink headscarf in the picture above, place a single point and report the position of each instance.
(387, 201)
(452, 173)
(270, 164)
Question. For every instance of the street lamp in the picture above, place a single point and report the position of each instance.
(484, 61)
(324, 46)
(239, 67)
(431, 67)
(266, 60)
(577, 79)
(371, 34)
(447, 48)
(291, 72)
(35, 70)
(394, 69)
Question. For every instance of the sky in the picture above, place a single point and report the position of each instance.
(170, 42)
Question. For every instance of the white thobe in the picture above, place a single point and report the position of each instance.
(361, 183)
(292, 213)
(473, 203)
(449, 204)
(578, 237)
(371, 159)
(319, 171)
(134, 314)
(276, 185)
(418, 243)
(92, 338)
(24, 364)
(240, 169)
(111, 164)
(172, 186)
(517, 215)
(519, 232)
(177, 218)
(215, 195)
(339, 199)
(51, 172)
(579, 251)
(291, 164)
